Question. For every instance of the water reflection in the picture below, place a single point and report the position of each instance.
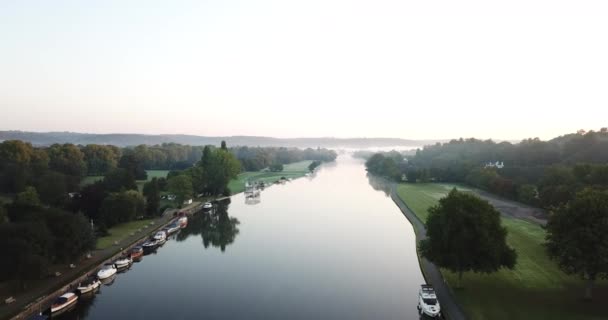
(215, 227)
(379, 184)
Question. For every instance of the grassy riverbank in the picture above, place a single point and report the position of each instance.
(121, 232)
(535, 289)
(292, 170)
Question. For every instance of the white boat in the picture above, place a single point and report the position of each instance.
(160, 237)
(106, 271)
(123, 262)
(89, 285)
(172, 228)
(427, 301)
(63, 302)
(207, 205)
(183, 221)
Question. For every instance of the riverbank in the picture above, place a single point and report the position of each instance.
(38, 298)
(449, 307)
(535, 289)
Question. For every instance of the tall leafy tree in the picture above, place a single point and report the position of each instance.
(181, 187)
(121, 207)
(577, 236)
(152, 194)
(464, 233)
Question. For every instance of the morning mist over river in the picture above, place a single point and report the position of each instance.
(328, 246)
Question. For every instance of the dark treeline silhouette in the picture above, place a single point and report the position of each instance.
(541, 173)
(257, 158)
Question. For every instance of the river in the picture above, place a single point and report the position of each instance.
(330, 246)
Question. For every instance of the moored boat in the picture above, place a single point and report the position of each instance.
(172, 228)
(427, 301)
(207, 205)
(136, 253)
(160, 237)
(150, 245)
(89, 285)
(123, 262)
(106, 271)
(183, 221)
(63, 302)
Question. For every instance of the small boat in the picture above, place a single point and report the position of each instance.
(160, 237)
(89, 285)
(172, 228)
(108, 281)
(106, 271)
(150, 245)
(123, 262)
(207, 205)
(183, 221)
(136, 252)
(64, 302)
(427, 301)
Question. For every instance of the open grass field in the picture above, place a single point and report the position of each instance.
(120, 232)
(90, 180)
(292, 170)
(535, 289)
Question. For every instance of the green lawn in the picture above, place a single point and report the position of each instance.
(292, 170)
(121, 232)
(535, 289)
(90, 180)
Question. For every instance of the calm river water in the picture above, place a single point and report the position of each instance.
(330, 246)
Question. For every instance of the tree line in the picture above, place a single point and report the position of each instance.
(54, 219)
(540, 173)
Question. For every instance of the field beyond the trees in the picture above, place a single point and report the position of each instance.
(292, 170)
(534, 289)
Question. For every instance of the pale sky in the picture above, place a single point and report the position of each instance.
(408, 69)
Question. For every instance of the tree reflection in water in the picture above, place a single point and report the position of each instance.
(216, 227)
(379, 184)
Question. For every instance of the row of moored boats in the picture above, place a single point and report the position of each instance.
(107, 273)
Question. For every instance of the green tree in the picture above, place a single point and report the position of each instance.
(313, 165)
(276, 167)
(120, 207)
(527, 193)
(223, 145)
(152, 194)
(577, 236)
(464, 233)
(181, 187)
(67, 159)
(29, 197)
(100, 159)
(52, 188)
(72, 234)
(119, 179)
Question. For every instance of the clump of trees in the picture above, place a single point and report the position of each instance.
(464, 233)
(258, 158)
(33, 237)
(577, 236)
(313, 165)
(385, 165)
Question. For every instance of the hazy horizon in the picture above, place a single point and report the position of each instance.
(343, 69)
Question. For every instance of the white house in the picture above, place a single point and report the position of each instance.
(497, 164)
